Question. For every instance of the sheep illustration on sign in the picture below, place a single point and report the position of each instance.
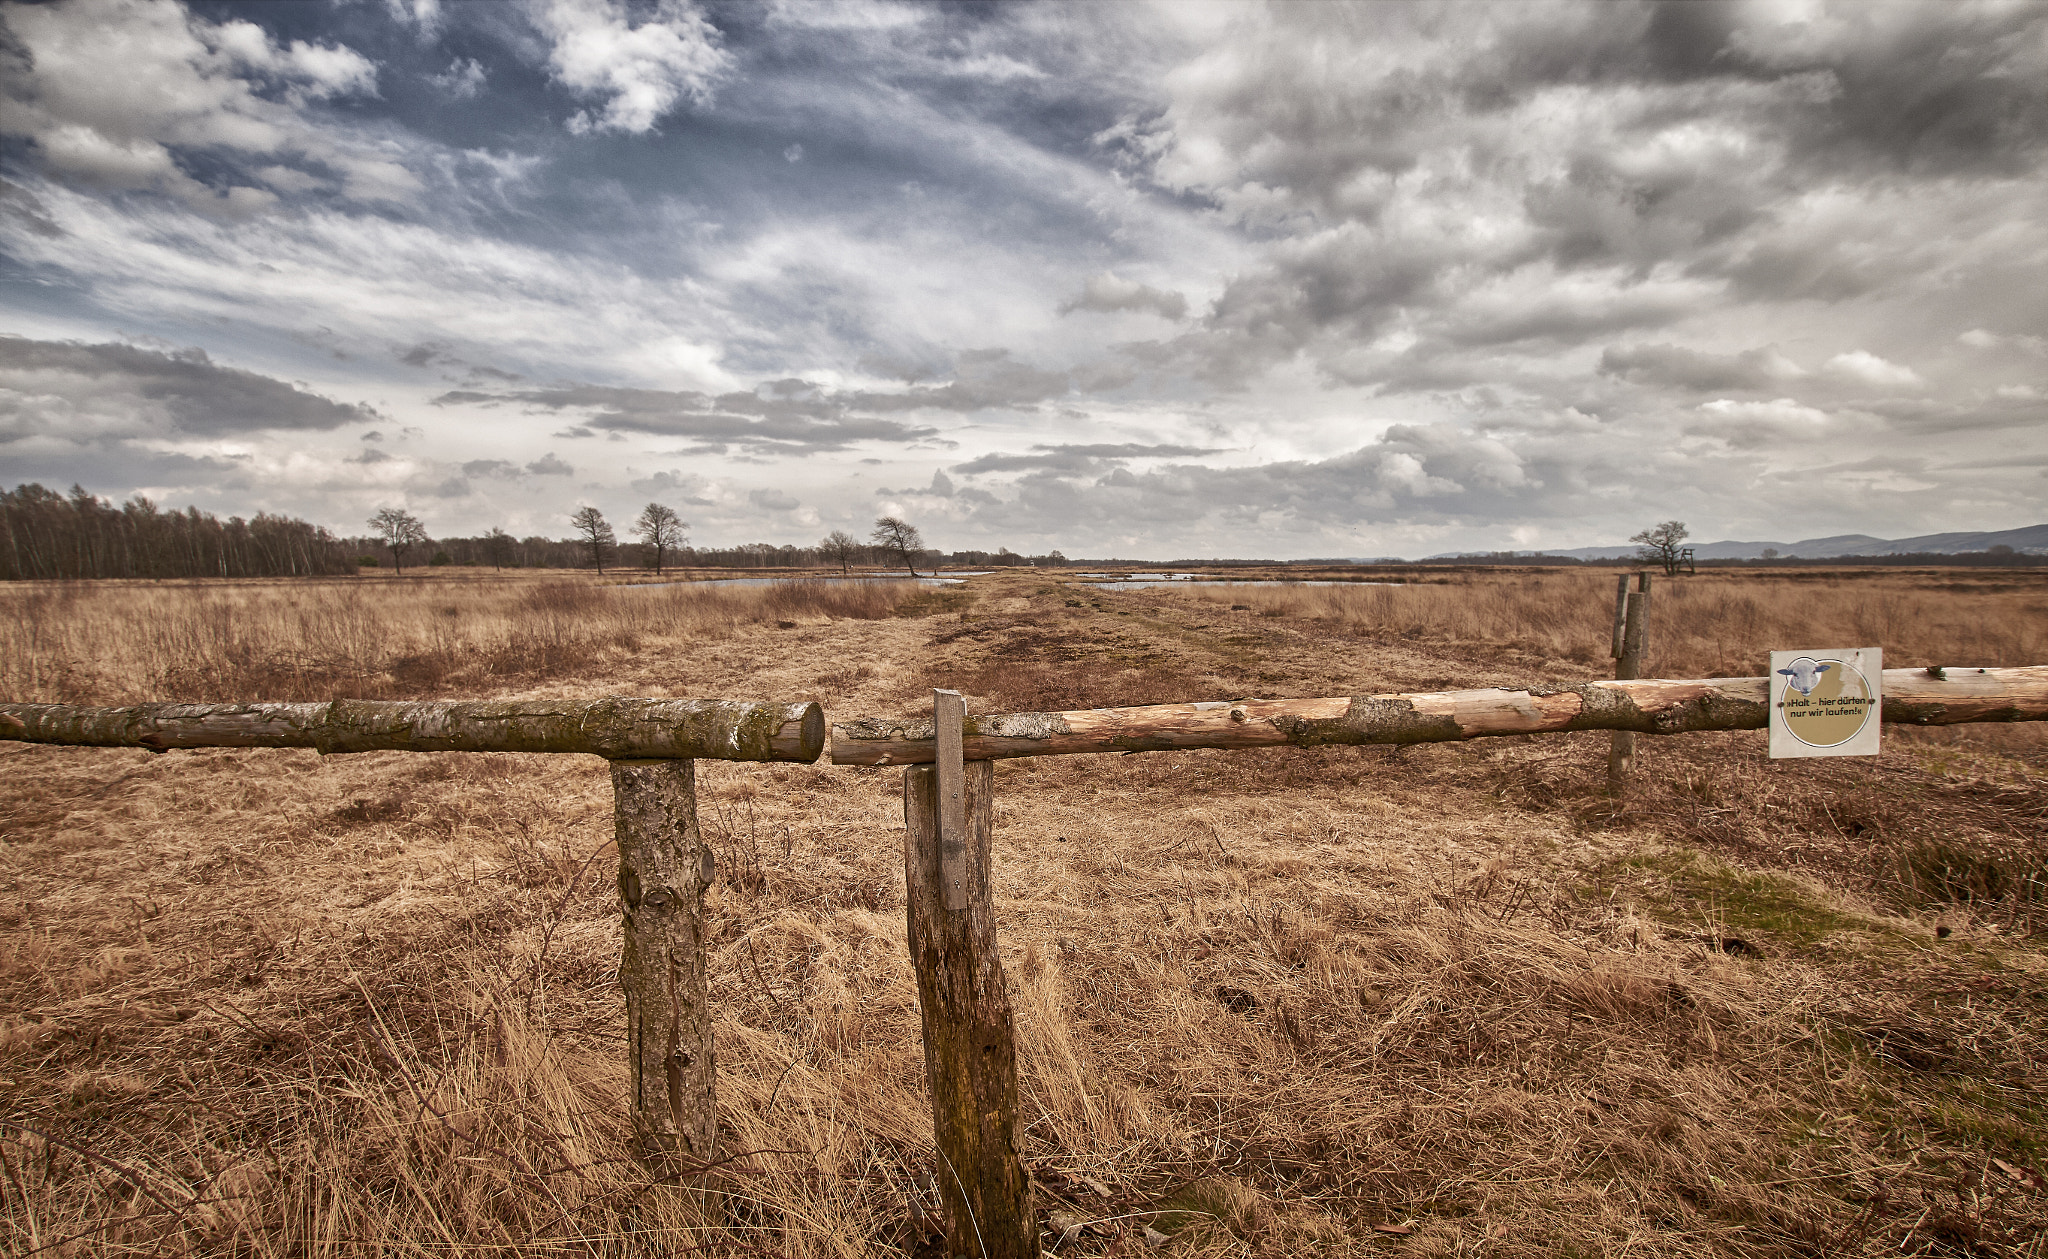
(1805, 674)
(1826, 703)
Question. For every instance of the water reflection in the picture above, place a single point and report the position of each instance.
(1138, 583)
(947, 580)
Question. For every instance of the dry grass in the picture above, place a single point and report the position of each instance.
(369, 639)
(262, 1003)
(1717, 624)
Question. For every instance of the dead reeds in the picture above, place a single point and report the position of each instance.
(263, 1003)
(1711, 625)
(126, 642)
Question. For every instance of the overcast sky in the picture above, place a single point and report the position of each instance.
(1151, 280)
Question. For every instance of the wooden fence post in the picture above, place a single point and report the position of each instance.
(1620, 616)
(664, 869)
(1631, 635)
(970, 1045)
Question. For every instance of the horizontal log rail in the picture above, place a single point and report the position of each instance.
(1921, 697)
(617, 729)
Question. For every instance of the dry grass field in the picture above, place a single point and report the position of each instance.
(1443, 1000)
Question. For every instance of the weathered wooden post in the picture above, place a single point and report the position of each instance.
(949, 721)
(1620, 614)
(664, 870)
(1631, 632)
(970, 1044)
(664, 867)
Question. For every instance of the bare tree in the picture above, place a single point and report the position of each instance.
(899, 538)
(401, 530)
(498, 545)
(660, 528)
(596, 531)
(1660, 545)
(841, 548)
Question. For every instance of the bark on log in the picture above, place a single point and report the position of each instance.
(970, 1046)
(631, 729)
(664, 869)
(1923, 697)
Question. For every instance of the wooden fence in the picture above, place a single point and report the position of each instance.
(949, 810)
(664, 865)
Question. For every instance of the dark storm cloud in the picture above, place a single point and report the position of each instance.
(1680, 367)
(982, 379)
(1078, 458)
(788, 415)
(1108, 294)
(1574, 246)
(1929, 89)
(71, 390)
(1131, 450)
(800, 424)
(129, 464)
(1429, 474)
(1625, 160)
(425, 354)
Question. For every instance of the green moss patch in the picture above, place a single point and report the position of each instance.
(1683, 888)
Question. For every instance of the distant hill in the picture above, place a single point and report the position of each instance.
(2032, 540)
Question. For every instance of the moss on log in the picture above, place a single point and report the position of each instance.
(618, 729)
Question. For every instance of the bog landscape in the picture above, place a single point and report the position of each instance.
(1444, 999)
(897, 628)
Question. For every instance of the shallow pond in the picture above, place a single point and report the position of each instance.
(948, 580)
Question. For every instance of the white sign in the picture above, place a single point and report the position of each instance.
(1826, 703)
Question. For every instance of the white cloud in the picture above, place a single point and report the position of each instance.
(1863, 367)
(462, 80)
(372, 281)
(1780, 422)
(1415, 276)
(1980, 339)
(995, 67)
(112, 92)
(423, 15)
(1777, 411)
(1109, 294)
(637, 72)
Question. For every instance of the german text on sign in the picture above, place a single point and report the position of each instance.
(1826, 703)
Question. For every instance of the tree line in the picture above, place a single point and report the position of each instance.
(45, 535)
(664, 542)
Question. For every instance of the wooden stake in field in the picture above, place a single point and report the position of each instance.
(664, 870)
(970, 1043)
(1631, 641)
